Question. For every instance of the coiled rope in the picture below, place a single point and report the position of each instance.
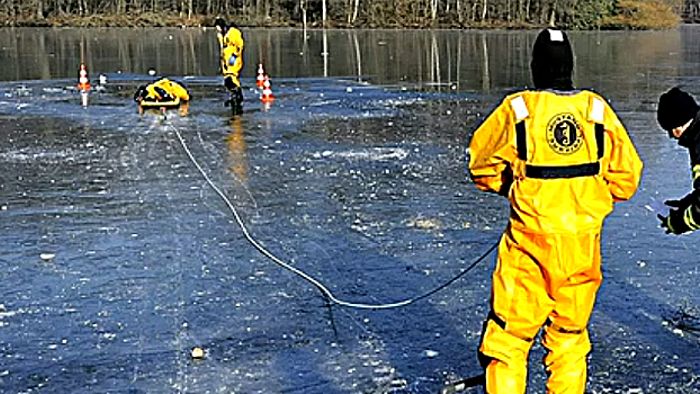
(320, 286)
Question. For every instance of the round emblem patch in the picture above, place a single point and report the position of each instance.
(564, 134)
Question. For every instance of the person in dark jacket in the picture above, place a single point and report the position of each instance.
(679, 115)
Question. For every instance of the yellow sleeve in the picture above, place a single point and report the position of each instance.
(178, 90)
(492, 150)
(171, 87)
(623, 169)
(163, 83)
(229, 68)
(234, 39)
(151, 92)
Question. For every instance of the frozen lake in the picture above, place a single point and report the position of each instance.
(355, 175)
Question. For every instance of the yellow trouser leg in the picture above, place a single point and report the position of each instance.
(541, 277)
(506, 371)
(566, 360)
(520, 305)
(502, 378)
(566, 337)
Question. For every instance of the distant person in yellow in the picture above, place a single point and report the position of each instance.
(562, 158)
(231, 53)
(162, 93)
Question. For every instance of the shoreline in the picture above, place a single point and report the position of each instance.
(153, 20)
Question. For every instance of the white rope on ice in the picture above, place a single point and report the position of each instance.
(320, 286)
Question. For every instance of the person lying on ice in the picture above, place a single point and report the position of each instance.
(562, 158)
(162, 93)
(678, 114)
(231, 56)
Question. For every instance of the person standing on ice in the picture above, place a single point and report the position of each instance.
(562, 158)
(678, 114)
(231, 55)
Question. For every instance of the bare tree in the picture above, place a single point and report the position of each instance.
(553, 14)
(356, 11)
(353, 10)
(302, 7)
(324, 12)
(381, 13)
(39, 9)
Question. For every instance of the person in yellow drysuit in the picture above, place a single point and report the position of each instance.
(562, 158)
(162, 93)
(231, 53)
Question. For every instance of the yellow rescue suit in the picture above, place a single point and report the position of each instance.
(562, 159)
(164, 93)
(231, 50)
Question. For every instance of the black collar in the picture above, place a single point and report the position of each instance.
(690, 135)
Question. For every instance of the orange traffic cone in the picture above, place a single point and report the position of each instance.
(267, 96)
(83, 81)
(261, 76)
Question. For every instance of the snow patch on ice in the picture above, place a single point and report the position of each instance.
(371, 154)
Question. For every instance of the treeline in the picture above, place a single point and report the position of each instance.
(570, 14)
(691, 11)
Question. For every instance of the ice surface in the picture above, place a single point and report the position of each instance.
(362, 187)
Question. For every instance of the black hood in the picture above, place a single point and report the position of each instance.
(552, 63)
(689, 138)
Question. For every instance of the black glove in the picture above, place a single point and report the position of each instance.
(673, 223)
(681, 204)
(684, 202)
